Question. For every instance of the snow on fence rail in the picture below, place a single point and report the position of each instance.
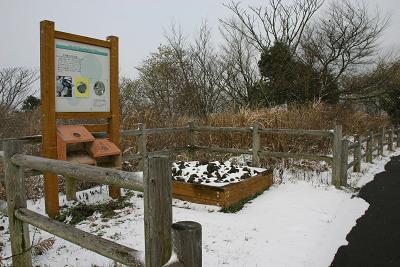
(160, 234)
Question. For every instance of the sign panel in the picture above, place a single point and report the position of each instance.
(82, 74)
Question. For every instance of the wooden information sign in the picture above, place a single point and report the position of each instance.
(79, 80)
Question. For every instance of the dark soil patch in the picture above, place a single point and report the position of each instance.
(375, 240)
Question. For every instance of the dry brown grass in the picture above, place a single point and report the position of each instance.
(315, 117)
(318, 116)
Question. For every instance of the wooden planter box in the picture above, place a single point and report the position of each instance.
(223, 196)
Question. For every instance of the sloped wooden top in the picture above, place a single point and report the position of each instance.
(74, 134)
(102, 147)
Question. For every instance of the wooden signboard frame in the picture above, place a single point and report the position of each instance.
(49, 116)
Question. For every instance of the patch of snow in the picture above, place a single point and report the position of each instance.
(212, 173)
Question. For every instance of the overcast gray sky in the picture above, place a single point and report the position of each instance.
(139, 24)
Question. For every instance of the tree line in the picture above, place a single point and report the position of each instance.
(277, 54)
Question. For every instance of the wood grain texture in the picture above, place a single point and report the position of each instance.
(81, 39)
(83, 115)
(107, 248)
(223, 196)
(157, 211)
(222, 129)
(337, 152)
(129, 180)
(381, 141)
(390, 139)
(16, 198)
(191, 140)
(114, 120)
(344, 165)
(322, 133)
(357, 154)
(48, 118)
(142, 145)
(187, 240)
(256, 144)
(369, 147)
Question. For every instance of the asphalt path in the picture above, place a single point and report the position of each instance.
(375, 239)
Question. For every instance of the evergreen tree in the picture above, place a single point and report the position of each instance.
(30, 103)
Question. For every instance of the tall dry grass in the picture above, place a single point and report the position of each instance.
(316, 116)
(313, 117)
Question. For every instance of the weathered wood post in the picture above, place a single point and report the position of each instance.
(191, 141)
(381, 142)
(390, 139)
(337, 152)
(397, 137)
(70, 188)
(370, 144)
(344, 163)
(186, 237)
(16, 198)
(142, 145)
(157, 211)
(357, 154)
(256, 144)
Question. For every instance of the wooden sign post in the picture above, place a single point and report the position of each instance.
(79, 80)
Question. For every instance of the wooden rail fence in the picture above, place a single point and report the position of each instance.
(337, 158)
(161, 236)
(160, 233)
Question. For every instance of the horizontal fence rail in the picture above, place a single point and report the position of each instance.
(321, 133)
(155, 182)
(128, 180)
(86, 240)
(256, 150)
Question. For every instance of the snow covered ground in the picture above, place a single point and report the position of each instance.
(299, 222)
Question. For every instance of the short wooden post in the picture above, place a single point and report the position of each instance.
(70, 188)
(337, 152)
(344, 163)
(142, 145)
(370, 144)
(381, 142)
(256, 144)
(390, 139)
(157, 211)
(187, 238)
(191, 141)
(357, 154)
(16, 198)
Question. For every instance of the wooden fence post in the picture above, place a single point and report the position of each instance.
(344, 163)
(16, 198)
(390, 139)
(256, 144)
(381, 142)
(397, 137)
(357, 154)
(191, 141)
(142, 145)
(370, 144)
(70, 188)
(187, 243)
(157, 211)
(337, 152)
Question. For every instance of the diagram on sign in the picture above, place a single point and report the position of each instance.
(82, 77)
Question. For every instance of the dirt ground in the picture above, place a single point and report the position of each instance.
(375, 240)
